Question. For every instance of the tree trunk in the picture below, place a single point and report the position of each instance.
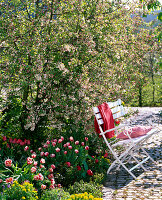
(140, 96)
(153, 81)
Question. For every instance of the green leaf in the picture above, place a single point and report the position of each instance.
(83, 174)
(160, 16)
(85, 165)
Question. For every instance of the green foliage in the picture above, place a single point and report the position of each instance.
(10, 115)
(160, 16)
(81, 187)
(98, 178)
(147, 94)
(56, 194)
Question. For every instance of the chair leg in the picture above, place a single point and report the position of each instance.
(127, 169)
(139, 163)
(148, 155)
(111, 166)
(121, 164)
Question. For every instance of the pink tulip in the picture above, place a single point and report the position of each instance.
(86, 139)
(71, 139)
(105, 155)
(52, 181)
(48, 142)
(45, 146)
(33, 155)
(68, 143)
(77, 142)
(35, 163)
(42, 166)
(42, 161)
(36, 177)
(65, 145)
(9, 180)
(22, 143)
(46, 154)
(14, 141)
(82, 143)
(53, 144)
(1, 180)
(18, 141)
(52, 155)
(57, 149)
(50, 176)
(29, 161)
(42, 153)
(68, 164)
(10, 140)
(87, 148)
(62, 138)
(70, 147)
(55, 140)
(89, 172)
(76, 151)
(39, 149)
(65, 152)
(51, 187)
(33, 170)
(53, 166)
(50, 170)
(40, 177)
(4, 138)
(26, 148)
(8, 163)
(59, 141)
(43, 187)
(28, 142)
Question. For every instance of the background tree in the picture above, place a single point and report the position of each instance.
(60, 58)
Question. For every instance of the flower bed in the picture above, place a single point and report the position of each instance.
(57, 163)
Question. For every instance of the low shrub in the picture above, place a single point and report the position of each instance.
(55, 194)
(80, 187)
(98, 178)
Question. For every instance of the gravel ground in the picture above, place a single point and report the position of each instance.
(148, 186)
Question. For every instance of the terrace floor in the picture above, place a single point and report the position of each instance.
(148, 186)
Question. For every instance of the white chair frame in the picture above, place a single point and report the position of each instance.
(132, 145)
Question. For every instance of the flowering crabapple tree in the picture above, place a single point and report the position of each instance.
(58, 59)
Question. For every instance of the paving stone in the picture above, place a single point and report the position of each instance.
(148, 186)
(159, 179)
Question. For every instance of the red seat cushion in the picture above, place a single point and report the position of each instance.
(134, 132)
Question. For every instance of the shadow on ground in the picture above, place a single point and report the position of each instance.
(119, 179)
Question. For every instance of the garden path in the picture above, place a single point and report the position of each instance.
(148, 185)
